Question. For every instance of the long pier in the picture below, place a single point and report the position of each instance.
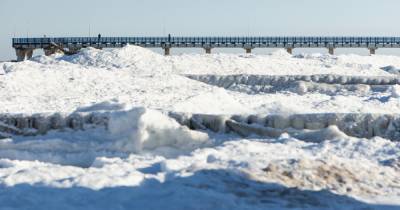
(24, 46)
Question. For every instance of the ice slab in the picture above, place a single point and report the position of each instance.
(301, 84)
(362, 125)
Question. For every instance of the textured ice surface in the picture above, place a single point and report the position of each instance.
(120, 123)
(300, 125)
(301, 84)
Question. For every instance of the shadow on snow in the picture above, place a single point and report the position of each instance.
(205, 189)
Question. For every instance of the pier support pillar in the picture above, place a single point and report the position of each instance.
(331, 51)
(289, 50)
(248, 50)
(20, 54)
(167, 51)
(29, 54)
(208, 50)
(372, 51)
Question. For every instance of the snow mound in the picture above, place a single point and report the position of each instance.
(127, 57)
(145, 129)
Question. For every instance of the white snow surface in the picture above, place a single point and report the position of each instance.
(139, 77)
(146, 160)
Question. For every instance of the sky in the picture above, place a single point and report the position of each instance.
(28, 18)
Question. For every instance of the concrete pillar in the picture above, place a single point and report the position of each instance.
(29, 53)
(248, 50)
(167, 51)
(372, 51)
(208, 50)
(331, 51)
(20, 54)
(289, 50)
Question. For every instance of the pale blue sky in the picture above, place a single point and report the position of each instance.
(201, 17)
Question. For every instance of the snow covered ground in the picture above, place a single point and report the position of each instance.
(144, 159)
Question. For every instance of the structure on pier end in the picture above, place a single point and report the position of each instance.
(24, 47)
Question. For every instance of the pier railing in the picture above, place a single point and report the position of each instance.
(25, 46)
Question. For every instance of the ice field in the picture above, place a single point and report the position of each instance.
(131, 129)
